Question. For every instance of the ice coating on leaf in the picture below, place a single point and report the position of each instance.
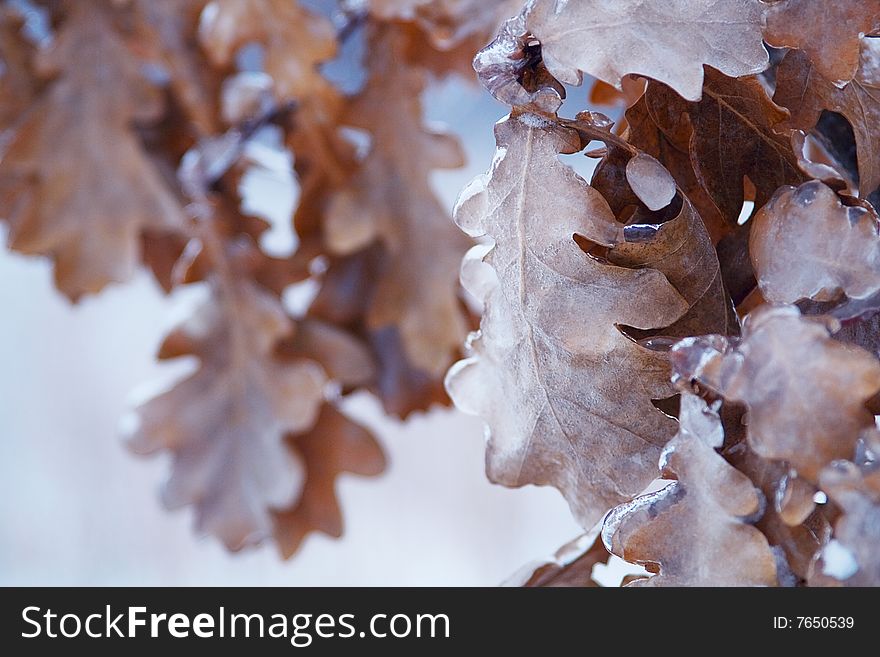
(829, 33)
(225, 424)
(838, 561)
(805, 392)
(511, 69)
(832, 176)
(682, 250)
(566, 396)
(794, 499)
(805, 244)
(852, 558)
(669, 41)
(806, 93)
(650, 181)
(796, 545)
(695, 532)
(54, 176)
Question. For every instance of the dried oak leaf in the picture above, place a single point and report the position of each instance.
(296, 41)
(389, 199)
(333, 446)
(829, 33)
(667, 41)
(571, 566)
(805, 244)
(796, 541)
(733, 136)
(166, 34)
(512, 70)
(695, 531)
(851, 558)
(449, 22)
(682, 250)
(566, 396)
(663, 232)
(343, 299)
(802, 89)
(75, 137)
(18, 85)
(664, 132)
(226, 423)
(805, 392)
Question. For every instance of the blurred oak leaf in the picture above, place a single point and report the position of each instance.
(74, 138)
(389, 199)
(333, 446)
(296, 41)
(225, 424)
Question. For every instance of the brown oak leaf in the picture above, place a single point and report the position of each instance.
(571, 566)
(389, 199)
(226, 423)
(696, 531)
(805, 244)
(733, 136)
(296, 41)
(335, 445)
(805, 392)
(851, 558)
(796, 534)
(667, 41)
(566, 396)
(76, 136)
(829, 33)
(806, 93)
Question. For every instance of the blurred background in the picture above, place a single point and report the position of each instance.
(78, 509)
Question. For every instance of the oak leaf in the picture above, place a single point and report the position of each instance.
(389, 199)
(75, 137)
(571, 566)
(566, 396)
(333, 446)
(851, 559)
(829, 33)
(795, 528)
(165, 34)
(802, 89)
(786, 363)
(296, 41)
(734, 135)
(805, 244)
(226, 423)
(695, 531)
(667, 41)
(344, 298)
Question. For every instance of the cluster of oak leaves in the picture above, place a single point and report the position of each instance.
(609, 308)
